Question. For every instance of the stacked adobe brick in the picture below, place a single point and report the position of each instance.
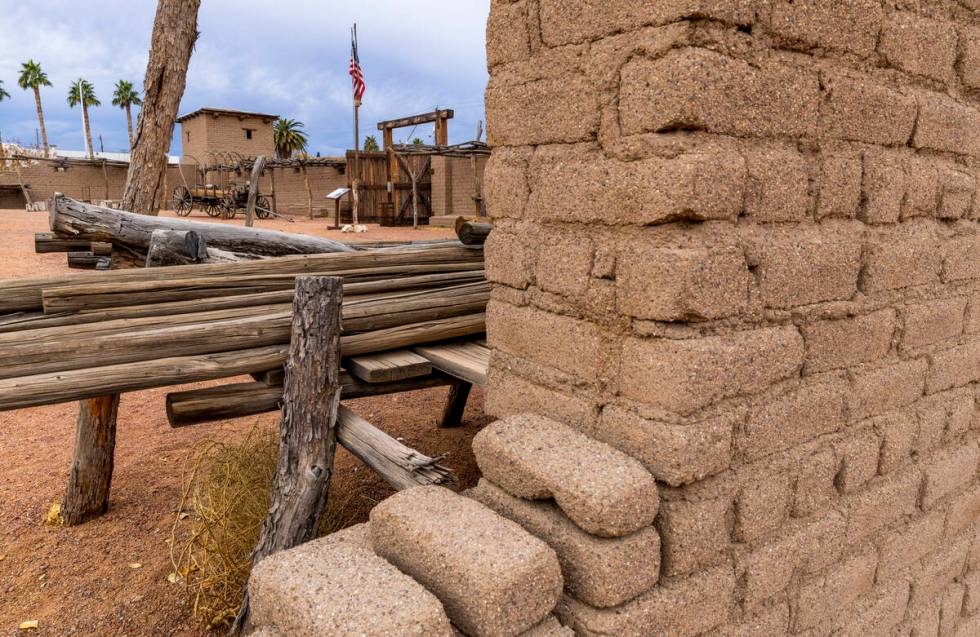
(738, 241)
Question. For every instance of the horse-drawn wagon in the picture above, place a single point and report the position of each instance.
(217, 201)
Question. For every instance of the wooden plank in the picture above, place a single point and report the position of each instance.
(464, 360)
(386, 367)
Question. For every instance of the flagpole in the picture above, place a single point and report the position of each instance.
(355, 179)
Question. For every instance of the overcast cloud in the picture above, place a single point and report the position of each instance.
(287, 57)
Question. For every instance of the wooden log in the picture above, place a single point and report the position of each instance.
(175, 247)
(472, 232)
(18, 295)
(238, 400)
(101, 248)
(452, 413)
(84, 221)
(253, 190)
(467, 361)
(65, 386)
(47, 242)
(87, 495)
(88, 261)
(19, 321)
(308, 429)
(385, 367)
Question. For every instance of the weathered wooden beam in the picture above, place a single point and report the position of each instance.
(253, 190)
(452, 413)
(385, 367)
(46, 242)
(415, 120)
(175, 247)
(88, 261)
(464, 360)
(473, 232)
(87, 495)
(308, 429)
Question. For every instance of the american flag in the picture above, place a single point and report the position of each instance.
(355, 68)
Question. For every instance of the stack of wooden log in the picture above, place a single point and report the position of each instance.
(92, 334)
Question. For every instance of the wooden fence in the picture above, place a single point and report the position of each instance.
(375, 204)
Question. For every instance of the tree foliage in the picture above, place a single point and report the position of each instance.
(288, 137)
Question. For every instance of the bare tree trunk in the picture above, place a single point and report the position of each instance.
(253, 190)
(40, 119)
(87, 496)
(174, 34)
(88, 131)
(129, 126)
(308, 428)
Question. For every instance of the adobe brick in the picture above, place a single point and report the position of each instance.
(920, 46)
(672, 284)
(898, 433)
(684, 375)
(846, 342)
(546, 111)
(931, 322)
(822, 597)
(884, 187)
(970, 60)
(570, 345)
(969, 626)
(682, 607)
(971, 603)
(886, 499)
(508, 38)
(961, 412)
(903, 547)
(957, 191)
(954, 367)
(960, 261)
(762, 504)
(839, 184)
(963, 512)
(800, 267)
(851, 26)
(563, 264)
(971, 324)
(693, 88)
(951, 608)
(939, 570)
(877, 613)
(932, 415)
(792, 419)
(777, 188)
(859, 460)
(505, 182)
(509, 394)
(858, 108)
(694, 535)
(948, 470)
(900, 257)
(922, 192)
(579, 184)
(878, 391)
(947, 125)
(674, 453)
(926, 622)
(507, 260)
(814, 488)
(772, 620)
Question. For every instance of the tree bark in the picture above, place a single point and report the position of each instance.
(309, 191)
(87, 496)
(253, 190)
(171, 45)
(88, 130)
(129, 126)
(40, 119)
(175, 247)
(308, 428)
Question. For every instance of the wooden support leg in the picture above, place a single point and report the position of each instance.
(308, 428)
(87, 496)
(452, 415)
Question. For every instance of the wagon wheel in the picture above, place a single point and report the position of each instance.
(213, 207)
(261, 206)
(182, 201)
(229, 205)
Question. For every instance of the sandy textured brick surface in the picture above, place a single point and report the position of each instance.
(492, 576)
(337, 588)
(602, 490)
(600, 571)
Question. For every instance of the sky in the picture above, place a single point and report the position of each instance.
(288, 58)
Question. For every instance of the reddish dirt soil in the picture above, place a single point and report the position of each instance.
(77, 581)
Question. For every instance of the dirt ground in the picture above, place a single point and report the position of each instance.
(78, 581)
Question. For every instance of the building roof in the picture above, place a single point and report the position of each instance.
(81, 154)
(225, 111)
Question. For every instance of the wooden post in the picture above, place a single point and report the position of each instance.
(309, 192)
(452, 415)
(308, 428)
(275, 202)
(253, 190)
(105, 179)
(87, 496)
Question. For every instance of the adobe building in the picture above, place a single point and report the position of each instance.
(735, 324)
(207, 131)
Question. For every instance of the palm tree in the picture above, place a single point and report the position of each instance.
(4, 95)
(31, 76)
(125, 97)
(371, 144)
(82, 92)
(288, 137)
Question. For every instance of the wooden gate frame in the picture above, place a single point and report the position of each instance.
(441, 119)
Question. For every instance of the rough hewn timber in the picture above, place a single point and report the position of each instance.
(87, 495)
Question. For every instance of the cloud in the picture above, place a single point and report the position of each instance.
(288, 58)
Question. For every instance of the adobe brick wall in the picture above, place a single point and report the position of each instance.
(738, 240)
(453, 185)
(210, 131)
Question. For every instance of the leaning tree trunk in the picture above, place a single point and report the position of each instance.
(88, 131)
(40, 119)
(174, 34)
(129, 126)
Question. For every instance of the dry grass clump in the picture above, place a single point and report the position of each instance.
(224, 502)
